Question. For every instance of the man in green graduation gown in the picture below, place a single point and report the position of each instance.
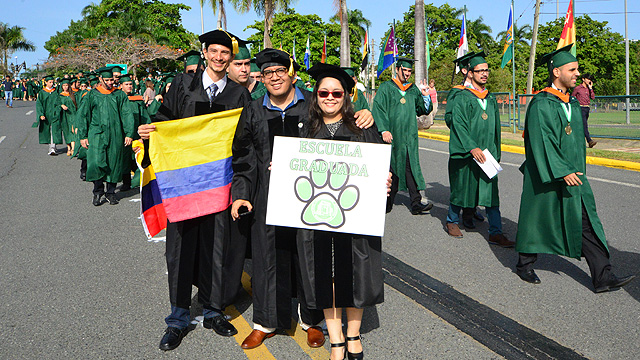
(140, 116)
(557, 208)
(48, 110)
(192, 60)
(358, 99)
(474, 121)
(394, 109)
(105, 127)
(239, 71)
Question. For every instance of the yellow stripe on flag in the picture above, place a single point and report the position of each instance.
(197, 140)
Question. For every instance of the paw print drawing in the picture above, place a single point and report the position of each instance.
(327, 196)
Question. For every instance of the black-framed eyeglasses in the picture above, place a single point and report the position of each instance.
(337, 94)
(279, 71)
(480, 71)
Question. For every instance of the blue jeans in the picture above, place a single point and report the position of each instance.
(181, 317)
(9, 97)
(493, 216)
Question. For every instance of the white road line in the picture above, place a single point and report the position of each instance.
(2, 138)
(518, 165)
(29, 112)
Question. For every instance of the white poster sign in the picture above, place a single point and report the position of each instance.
(329, 185)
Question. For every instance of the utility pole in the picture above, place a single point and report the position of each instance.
(532, 54)
(626, 65)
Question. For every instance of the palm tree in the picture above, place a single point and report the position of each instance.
(12, 39)
(263, 7)
(218, 7)
(420, 42)
(520, 35)
(345, 46)
(480, 32)
(356, 18)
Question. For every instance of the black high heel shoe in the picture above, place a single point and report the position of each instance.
(355, 356)
(342, 344)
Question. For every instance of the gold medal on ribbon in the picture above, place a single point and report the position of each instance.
(403, 100)
(568, 129)
(485, 116)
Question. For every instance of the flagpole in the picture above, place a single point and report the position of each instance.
(626, 63)
(395, 47)
(513, 62)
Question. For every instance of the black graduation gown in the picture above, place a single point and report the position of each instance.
(207, 251)
(357, 259)
(274, 254)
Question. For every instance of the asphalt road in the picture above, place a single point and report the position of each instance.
(78, 281)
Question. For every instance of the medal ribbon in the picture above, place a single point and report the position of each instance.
(483, 104)
(567, 112)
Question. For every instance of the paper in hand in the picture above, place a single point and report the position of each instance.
(490, 167)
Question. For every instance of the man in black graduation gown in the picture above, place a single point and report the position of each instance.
(207, 251)
(283, 111)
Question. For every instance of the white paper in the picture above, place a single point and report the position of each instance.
(349, 201)
(490, 167)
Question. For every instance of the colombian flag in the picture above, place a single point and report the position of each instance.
(192, 161)
(152, 212)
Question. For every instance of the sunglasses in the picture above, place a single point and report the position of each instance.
(336, 94)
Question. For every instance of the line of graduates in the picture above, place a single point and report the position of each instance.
(23, 89)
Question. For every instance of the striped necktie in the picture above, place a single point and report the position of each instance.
(212, 91)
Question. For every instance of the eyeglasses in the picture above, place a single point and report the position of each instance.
(269, 73)
(336, 94)
(480, 71)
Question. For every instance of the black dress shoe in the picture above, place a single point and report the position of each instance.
(220, 325)
(615, 282)
(112, 199)
(83, 176)
(172, 338)
(468, 224)
(529, 276)
(420, 208)
(97, 200)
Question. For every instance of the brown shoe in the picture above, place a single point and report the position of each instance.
(255, 339)
(315, 337)
(454, 230)
(501, 240)
(592, 143)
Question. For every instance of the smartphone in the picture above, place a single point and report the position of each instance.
(243, 210)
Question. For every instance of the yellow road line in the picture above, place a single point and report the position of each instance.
(244, 329)
(296, 333)
(592, 160)
(300, 336)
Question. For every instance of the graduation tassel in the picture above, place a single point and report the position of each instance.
(234, 42)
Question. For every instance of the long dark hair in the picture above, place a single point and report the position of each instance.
(316, 121)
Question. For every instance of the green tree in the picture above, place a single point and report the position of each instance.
(355, 17)
(12, 39)
(266, 8)
(150, 20)
(290, 24)
(600, 52)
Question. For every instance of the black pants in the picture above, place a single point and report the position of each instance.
(126, 177)
(585, 119)
(83, 167)
(98, 187)
(414, 194)
(592, 249)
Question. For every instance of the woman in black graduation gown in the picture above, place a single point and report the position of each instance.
(339, 270)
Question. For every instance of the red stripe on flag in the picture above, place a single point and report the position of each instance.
(202, 203)
(155, 219)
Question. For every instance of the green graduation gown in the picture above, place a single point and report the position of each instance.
(469, 185)
(390, 114)
(48, 105)
(153, 108)
(67, 117)
(259, 90)
(550, 218)
(79, 151)
(359, 101)
(109, 121)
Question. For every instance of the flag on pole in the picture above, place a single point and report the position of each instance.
(507, 53)
(307, 55)
(463, 46)
(569, 31)
(387, 56)
(324, 50)
(293, 52)
(365, 51)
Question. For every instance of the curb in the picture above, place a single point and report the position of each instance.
(591, 160)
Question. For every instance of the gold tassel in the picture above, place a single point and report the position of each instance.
(291, 70)
(234, 42)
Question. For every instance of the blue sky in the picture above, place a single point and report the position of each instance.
(42, 18)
